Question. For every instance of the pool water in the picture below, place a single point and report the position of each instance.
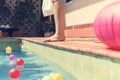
(35, 68)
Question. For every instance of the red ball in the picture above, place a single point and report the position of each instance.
(14, 73)
(20, 62)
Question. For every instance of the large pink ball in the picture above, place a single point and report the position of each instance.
(107, 25)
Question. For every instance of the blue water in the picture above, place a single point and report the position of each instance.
(35, 68)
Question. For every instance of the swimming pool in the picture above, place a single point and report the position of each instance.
(35, 67)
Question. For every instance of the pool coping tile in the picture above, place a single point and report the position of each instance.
(88, 45)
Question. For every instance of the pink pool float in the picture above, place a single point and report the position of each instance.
(107, 25)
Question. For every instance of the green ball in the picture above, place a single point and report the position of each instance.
(47, 78)
(23, 48)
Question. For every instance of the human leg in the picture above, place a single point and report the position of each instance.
(59, 17)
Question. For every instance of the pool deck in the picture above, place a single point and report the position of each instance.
(81, 38)
(89, 45)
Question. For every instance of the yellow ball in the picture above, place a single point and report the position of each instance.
(8, 50)
(57, 76)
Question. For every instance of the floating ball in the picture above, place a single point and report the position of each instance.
(20, 45)
(20, 61)
(23, 48)
(47, 78)
(57, 76)
(20, 64)
(53, 76)
(14, 73)
(107, 25)
(8, 50)
(12, 57)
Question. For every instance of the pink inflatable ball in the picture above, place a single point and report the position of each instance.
(12, 57)
(14, 74)
(107, 25)
(20, 64)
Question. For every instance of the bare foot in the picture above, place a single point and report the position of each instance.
(55, 38)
